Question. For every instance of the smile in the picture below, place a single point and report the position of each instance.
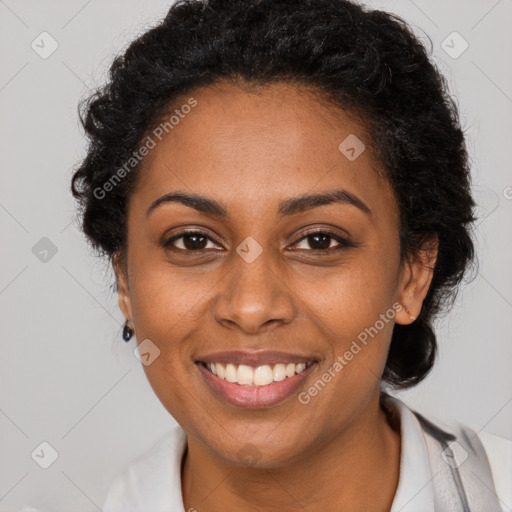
(265, 375)
(255, 380)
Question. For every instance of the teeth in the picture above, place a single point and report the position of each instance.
(279, 372)
(245, 375)
(221, 370)
(263, 375)
(260, 376)
(231, 373)
(299, 368)
(290, 370)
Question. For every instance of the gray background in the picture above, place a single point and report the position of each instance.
(66, 375)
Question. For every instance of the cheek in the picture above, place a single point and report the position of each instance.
(358, 327)
(354, 296)
(356, 313)
(166, 300)
(165, 311)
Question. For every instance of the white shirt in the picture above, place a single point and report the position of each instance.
(153, 480)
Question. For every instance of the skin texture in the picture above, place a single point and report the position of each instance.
(249, 151)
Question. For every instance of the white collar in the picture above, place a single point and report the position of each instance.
(153, 480)
(414, 492)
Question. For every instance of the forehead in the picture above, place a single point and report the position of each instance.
(258, 146)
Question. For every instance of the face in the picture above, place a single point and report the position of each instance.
(274, 290)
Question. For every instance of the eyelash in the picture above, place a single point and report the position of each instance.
(343, 242)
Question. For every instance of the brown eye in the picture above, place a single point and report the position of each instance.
(321, 241)
(189, 241)
(315, 241)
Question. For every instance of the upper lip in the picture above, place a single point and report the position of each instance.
(269, 357)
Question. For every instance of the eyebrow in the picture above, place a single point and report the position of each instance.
(286, 208)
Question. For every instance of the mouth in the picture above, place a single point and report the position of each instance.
(254, 380)
(264, 375)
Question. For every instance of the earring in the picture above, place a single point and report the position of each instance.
(127, 332)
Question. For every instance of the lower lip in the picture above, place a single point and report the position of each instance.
(254, 397)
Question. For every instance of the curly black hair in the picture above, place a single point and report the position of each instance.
(364, 61)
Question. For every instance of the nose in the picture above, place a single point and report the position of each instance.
(253, 296)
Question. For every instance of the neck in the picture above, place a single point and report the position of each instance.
(357, 470)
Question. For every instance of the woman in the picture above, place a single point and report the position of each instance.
(283, 190)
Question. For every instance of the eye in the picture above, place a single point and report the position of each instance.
(189, 241)
(320, 241)
(197, 241)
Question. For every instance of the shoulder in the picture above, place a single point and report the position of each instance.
(499, 453)
(151, 481)
(486, 450)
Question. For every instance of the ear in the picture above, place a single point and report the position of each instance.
(123, 287)
(416, 277)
